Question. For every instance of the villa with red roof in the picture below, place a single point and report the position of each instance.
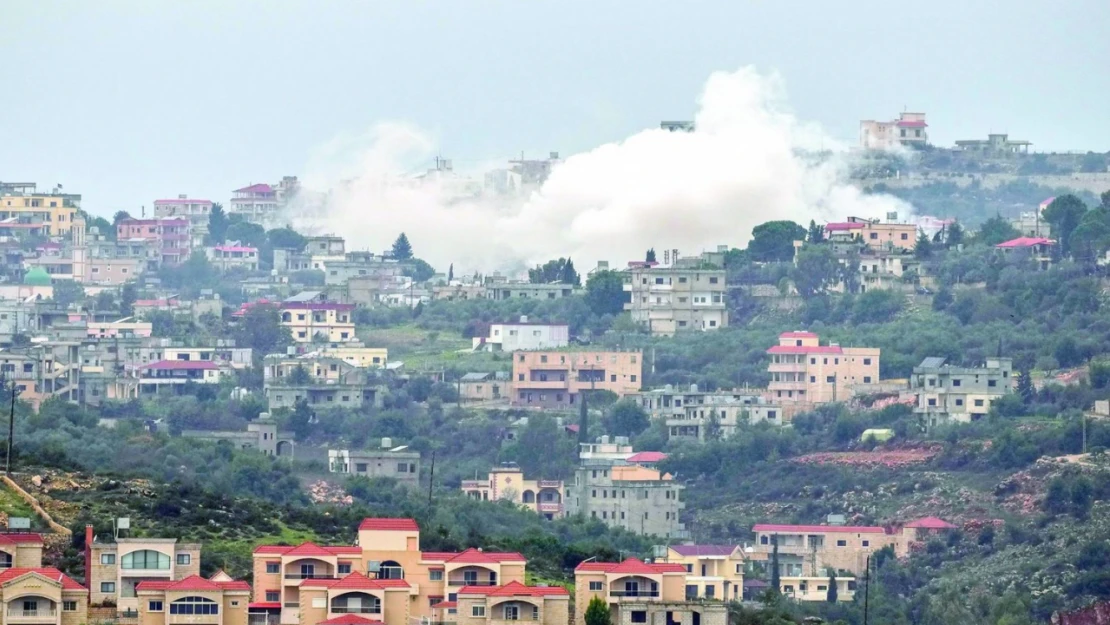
(806, 373)
(117, 567)
(1037, 249)
(712, 571)
(194, 599)
(385, 577)
(548, 605)
(20, 550)
(877, 235)
(42, 595)
(259, 202)
(642, 592)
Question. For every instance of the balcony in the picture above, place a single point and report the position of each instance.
(634, 593)
(44, 615)
(309, 576)
(540, 385)
(549, 483)
(550, 506)
(372, 610)
(465, 582)
(474, 484)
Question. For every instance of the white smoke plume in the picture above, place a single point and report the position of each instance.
(748, 161)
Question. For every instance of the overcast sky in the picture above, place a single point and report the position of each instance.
(130, 101)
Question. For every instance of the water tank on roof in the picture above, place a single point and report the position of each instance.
(693, 388)
(605, 439)
(387, 443)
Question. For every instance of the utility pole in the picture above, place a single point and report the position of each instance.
(11, 431)
(866, 589)
(431, 477)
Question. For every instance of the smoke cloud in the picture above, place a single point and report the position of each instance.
(748, 161)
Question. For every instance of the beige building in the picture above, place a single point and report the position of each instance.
(909, 130)
(324, 321)
(875, 234)
(115, 569)
(55, 212)
(400, 463)
(945, 393)
(712, 571)
(113, 271)
(640, 592)
(675, 299)
(507, 482)
(805, 372)
(42, 596)
(483, 605)
(21, 551)
(555, 379)
(218, 600)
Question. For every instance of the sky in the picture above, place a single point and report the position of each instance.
(126, 101)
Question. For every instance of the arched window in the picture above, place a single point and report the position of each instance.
(194, 605)
(5, 560)
(529, 497)
(391, 570)
(286, 317)
(356, 603)
(146, 560)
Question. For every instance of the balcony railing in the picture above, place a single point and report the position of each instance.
(464, 582)
(309, 576)
(634, 593)
(291, 604)
(338, 610)
(549, 483)
(45, 613)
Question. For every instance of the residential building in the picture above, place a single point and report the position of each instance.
(219, 600)
(175, 374)
(21, 550)
(523, 336)
(669, 299)
(507, 482)
(356, 354)
(712, 571)
(223, 353)
(398, 463)
(945, 393)
(53, 213)
(311, 584)
(126, 327)
(113, 271)
(319, 380)
(528, 290)
(610, 484)
(909, 130)
(171, 238)
(996, 143)
(547, 379)
(1031, 224)
(481, 605)
(40, 595)
(642, 592)
(814, 550)
(1038, 250)
(816, 587)
(198, 212)
(484, 386)
(805, 372)
(115, 569)
(875, 234)
(233, 256)
(311, 321)
(256, 203)
(693, 414)
(458, 291)
(262, 434)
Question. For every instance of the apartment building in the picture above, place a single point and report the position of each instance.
(262, 434)
(218, 600)
(198, 212)
(547, 379)
(319, 380)
(223, 353)
(693, 414)
(173, 375)
(40, 595)
(256, 203)
(528, 290)
(945, 393)
(805, 372)
(909, 130)
(20, 550)
(233, 256)
(385, 577)
(126, 327)
(673, 299)
(484, 386)
(544, 497)
(53, 213)
(523, 336)
(398, 463)
(642, 592)
(171, 238)
(311, 321)
(113, 271)
(875, 234)
(712, 571)
(115, 569)
(613, 485)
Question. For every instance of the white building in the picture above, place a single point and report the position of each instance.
(523, 336)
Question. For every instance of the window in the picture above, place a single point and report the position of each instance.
(184, 559)
(154, 606)
(69, 606)
(866, 361)
(955, 382)
(830, 379)
(867, 379)
(632, 378)
(639, 616)
(107, 558)
(867, 543)
(713, 281)
(906, 237)
(478, 611)
(273, 567)
(992, 382)
(344, 568)
(959, 402)
(512, 612)
(402, 467)
(28, 367)
(710, 591)
(272, 596)
(932, 401)
(841, 543)
(194, 605)
(108, 587)
(682, 280)
(436, 575)
(979, 403)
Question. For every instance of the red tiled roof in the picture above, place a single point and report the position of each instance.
(647, 456)
(817, 529)
(632, 566)
(310, 549)
(264, 605)
(256, 188)
(178, 365)
(931, 523)
(797, 334)
(472, 555)
(11, 539)
(356, 581)
(1025, 242)
(911, 123)
(193, 583)
(513, 589)
(350, 619)
(805, 349)
(844, 225)
(446, 604)
(405, 525)
(704, 550)
(48, 572)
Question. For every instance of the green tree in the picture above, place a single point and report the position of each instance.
(597, 612)
(300, 421)
(103, 227)
(120, 216)
(831, 595)
(1067, 352)
(570, 276)
(217, 225)
(713, 427)
(650, 256)
(245, 232)
(543, 449)
(402, 249)
(605, 293)
(773, 241)
(1063, 216)
(68, 292)
(816, 232)
(1082, 497)
(260, 329)
(954, 235)
(816, 271)
(127, 297)
(626, 418)
(996, 230)
(554, 271)
(450, 272)
(419, 270)
(583, 418)
(923, 250)
(1025, 387)
(877, 306)
(1091, 237)
(299, 376)
(776, 580)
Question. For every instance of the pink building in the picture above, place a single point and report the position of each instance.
(805, 372)
(255, 203)
(172, 235)
(196, 211)
(909, 130)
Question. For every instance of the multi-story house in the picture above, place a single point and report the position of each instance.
(256, 203)
(1037, 250)
(113, 271)
(20, 550)
(398, 463)
(114, 569)
(311, 321)
(42, 595)
(175, 374)
(482, 605)
(642, 592)
(873, 233)
(805, 372)
(385, 577)
(484, 386)
(523, 336)
(170, 236)
(546, 379)
(233, 256)
(909, 130)
(319, 380)
(945, 393)
(53, 212)
(674, 298)
(224, 353)
(694, 414)
(528, 290)
(712, 571)
(218, 600)
(507, 482)
(198, 212)
(124, 328)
